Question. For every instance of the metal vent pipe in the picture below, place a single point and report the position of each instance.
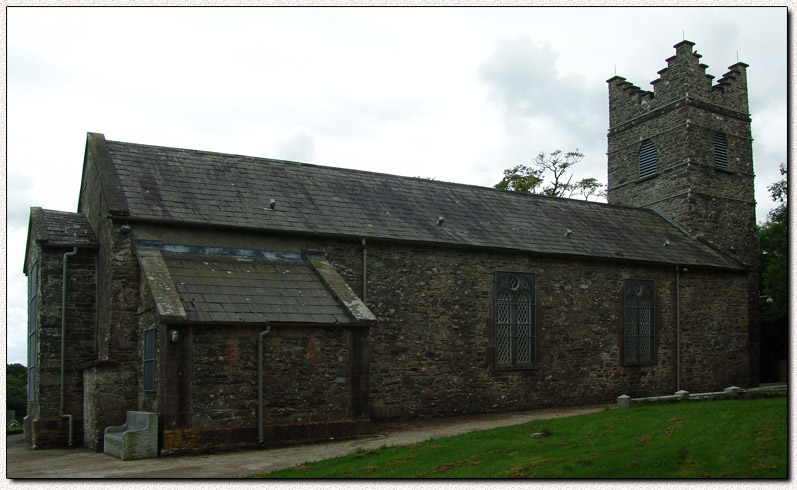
(63, 345)
(260, 384)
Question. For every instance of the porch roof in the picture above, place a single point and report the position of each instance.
(235, 286)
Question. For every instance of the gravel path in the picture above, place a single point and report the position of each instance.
(22, 462)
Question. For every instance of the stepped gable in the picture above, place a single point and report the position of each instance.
(684, 77)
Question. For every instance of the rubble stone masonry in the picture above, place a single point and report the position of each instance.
(681, 116)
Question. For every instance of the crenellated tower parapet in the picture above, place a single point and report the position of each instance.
(684, 80)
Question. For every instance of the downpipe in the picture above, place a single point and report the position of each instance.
(365, 264)
(260, 384)
(63, 346)
(677, 328)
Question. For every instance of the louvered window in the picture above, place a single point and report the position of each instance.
(149, 359)
(720, 150)
(648, 160)
(515, 314)
(638, 325)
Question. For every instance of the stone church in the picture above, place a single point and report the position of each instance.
(256, 302)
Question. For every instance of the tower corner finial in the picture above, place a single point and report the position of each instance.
(683, 47)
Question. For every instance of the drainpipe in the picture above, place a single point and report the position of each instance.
(260, 384)
(63, 345)
(365, 262)
(677, 328)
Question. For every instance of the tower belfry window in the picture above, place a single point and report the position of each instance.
(648, 159)
(720, 150)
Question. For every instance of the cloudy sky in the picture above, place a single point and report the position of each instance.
(457, 94)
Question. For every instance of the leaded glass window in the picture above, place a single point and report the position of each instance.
(33, 317)
(515, 313)
(149, 359)
(638, 325)
(648, 159)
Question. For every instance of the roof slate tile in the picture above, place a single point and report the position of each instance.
(216, 189)
(59, 228)
(276, 291)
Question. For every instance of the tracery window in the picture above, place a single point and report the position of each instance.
(515, 315)
(638, 325)
(648, 159)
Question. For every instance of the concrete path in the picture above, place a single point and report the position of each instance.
(23, 462)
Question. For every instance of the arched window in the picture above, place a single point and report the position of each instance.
(638, 325)
(515, 333)
(648, 160)
(720, 150)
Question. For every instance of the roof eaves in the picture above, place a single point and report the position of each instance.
(462, 246)
(699, 238)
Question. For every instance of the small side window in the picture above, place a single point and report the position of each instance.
(149, 359)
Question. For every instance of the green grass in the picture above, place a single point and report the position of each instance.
(706, 439)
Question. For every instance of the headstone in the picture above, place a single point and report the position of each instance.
(623, 401)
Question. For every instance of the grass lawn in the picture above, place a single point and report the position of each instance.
(706, 439)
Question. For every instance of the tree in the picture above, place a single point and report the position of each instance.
(17, 370)
(16, 390)
(520, 178)
(556, 167)
(773, 253)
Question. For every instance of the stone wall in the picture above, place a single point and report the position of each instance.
(430, 353)
(47, 428)
(210, 380)
(114, 371)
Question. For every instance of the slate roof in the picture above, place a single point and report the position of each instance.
(205, 188)
(59, 228)
(246, 290)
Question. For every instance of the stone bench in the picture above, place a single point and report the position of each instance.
(136, 439)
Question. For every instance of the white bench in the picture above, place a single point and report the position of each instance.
(136, 439)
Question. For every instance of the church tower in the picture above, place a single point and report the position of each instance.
(686, 149)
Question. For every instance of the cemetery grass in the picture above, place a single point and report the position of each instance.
(688, 439)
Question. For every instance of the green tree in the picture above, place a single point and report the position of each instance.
(773, 271)
(555, 167)
(16, 390)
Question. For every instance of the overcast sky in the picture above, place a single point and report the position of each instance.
(457, 94)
